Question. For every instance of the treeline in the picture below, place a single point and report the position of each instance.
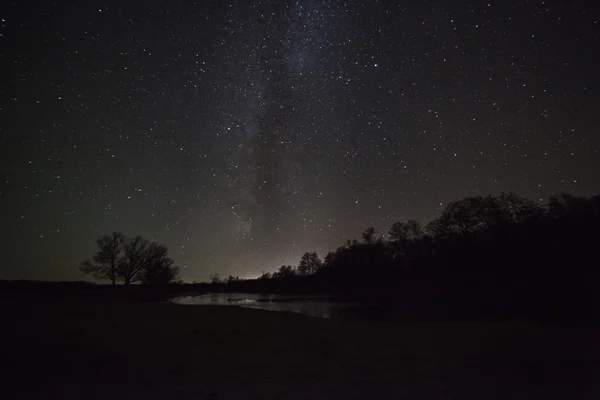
(503, 252)
(128, 260)
(489, 254)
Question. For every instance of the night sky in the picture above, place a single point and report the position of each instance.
(243, 133)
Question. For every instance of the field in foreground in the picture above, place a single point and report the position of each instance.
(96, 349)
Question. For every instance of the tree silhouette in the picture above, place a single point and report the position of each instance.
(233, 279)
(399, 231)
(284, 272)
(107, 261)
(465, 216)
(309, 263)
(135, 257)
(265, 275)
(353, 242)
(566, 204)
(215, 278)
(128, 260)
(415, 228)
(158, 268)
(436, 228)
(368, 236)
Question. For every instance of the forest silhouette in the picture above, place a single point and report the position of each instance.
(492, 256)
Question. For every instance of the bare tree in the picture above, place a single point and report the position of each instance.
(107, 261)
(158, 268)
(215, 278)
(130, 260)
(135, 258)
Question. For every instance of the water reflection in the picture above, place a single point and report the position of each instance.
(314, 306)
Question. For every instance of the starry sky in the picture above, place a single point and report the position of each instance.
(243, 133)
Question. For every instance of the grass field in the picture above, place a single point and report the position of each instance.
(73, 347)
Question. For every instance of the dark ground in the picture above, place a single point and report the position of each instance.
(73, 346)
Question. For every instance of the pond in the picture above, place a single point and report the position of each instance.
(313, 306)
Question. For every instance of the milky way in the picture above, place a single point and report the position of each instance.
(242, 134)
